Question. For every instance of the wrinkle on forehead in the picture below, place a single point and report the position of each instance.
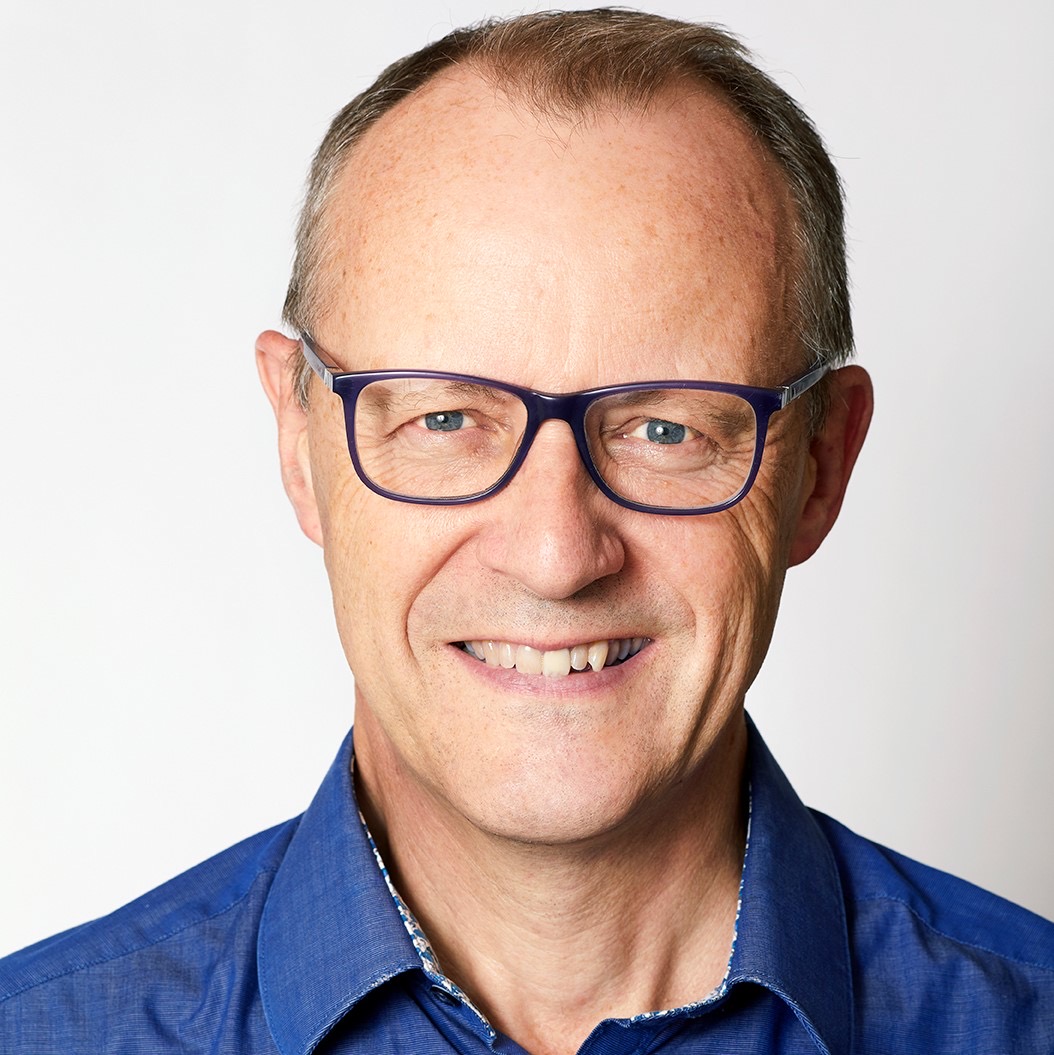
(460, 195)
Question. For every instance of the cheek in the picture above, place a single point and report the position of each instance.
(734, 579)
(360, 537)
(763, 530)
(380, 556)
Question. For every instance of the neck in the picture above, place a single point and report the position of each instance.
(549, 940)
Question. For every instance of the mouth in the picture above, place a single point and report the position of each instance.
(555, 663)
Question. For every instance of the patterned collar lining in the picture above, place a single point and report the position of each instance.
(429, 962)
(434, 973)
(722, 987)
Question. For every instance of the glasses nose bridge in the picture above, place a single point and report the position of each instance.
(550, 406)
(554, 406)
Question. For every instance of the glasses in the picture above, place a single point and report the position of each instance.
(678, 448)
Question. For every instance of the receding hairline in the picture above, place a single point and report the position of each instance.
(513, 95)
(516, 96)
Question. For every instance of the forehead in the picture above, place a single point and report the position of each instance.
(466, 225)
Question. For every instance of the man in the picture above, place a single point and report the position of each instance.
(576, 286)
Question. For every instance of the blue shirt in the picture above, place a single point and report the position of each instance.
(290, 942)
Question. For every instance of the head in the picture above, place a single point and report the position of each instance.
(565, 202)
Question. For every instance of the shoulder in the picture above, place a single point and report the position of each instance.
(940, 955)
(942, 904)
(175, 937)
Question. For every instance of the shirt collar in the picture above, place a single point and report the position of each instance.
(331, 932)
(792, 936)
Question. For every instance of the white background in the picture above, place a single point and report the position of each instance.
(170, 679)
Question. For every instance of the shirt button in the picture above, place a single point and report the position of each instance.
(443, 997)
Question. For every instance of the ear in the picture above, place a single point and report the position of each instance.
(275, 361)
(833, 453)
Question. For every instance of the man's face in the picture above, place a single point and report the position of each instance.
(475, 237)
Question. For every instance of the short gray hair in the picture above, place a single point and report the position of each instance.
(571, 62)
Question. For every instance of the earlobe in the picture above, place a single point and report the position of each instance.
(833, 452)
(274, 360)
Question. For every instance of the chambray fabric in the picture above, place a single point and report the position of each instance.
(290, 942)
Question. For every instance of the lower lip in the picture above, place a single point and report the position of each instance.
(510, 680)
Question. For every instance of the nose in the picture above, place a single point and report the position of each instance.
(551, 529)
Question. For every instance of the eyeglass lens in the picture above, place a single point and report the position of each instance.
(447, 439)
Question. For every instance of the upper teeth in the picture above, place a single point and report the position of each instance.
(556, 663)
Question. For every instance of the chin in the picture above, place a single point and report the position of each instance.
(559, 804)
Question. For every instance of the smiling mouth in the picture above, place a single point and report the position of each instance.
(555, 663)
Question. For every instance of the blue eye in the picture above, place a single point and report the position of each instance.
(665, 431)
(445, 421)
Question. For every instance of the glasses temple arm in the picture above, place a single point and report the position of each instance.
(324, 372)
(803, 384)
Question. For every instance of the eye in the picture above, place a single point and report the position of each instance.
(656, 430)
(446, 420)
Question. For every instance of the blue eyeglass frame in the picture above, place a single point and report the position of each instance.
(570, 407)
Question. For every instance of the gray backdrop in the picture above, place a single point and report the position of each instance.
(170, 679)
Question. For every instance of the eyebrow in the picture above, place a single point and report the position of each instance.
(635, 399)
(411, 390)
(728, 415)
